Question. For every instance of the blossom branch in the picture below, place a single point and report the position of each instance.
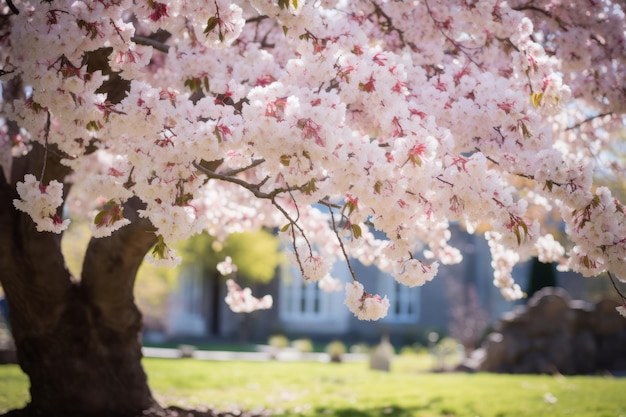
(45, 146)
(454, 43)
(589, 119)
(343, 249)
(294, 225)
(531, 8)
(14, 9)
(253, 188)
(519, 174)
(254, 163)
(387, 24)
(612, 278)
(147, 41)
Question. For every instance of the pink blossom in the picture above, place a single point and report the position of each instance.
(241, 300)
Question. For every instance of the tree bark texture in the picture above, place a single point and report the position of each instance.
(77, 340)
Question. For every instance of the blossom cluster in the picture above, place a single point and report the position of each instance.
(242, 301)
(41, 202)
(226, 267)
(363, 129)
(365, 306)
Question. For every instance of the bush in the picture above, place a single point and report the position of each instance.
(302, 345)
(411, 349)
(447, 346)
(447, 352)
(278, 341)
(360, 348)
(336, 349)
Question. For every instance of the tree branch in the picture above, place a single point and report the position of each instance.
(454, 43)
(254, 163)
(589, 119)
(253, 188)
(144, 40)
(111, 263)
(531, 8)
(343, 249)
(518, 174)
(622, 296)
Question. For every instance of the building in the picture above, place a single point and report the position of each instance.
(301, 310)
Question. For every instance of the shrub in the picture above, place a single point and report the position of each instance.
(302, 345)
(336, 349)
(278, 341)
(360, 348)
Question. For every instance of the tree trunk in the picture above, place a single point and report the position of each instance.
(77, 340)
(81, 366)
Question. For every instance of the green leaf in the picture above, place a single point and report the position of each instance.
(416, 160)
(518, 236)
(36, 107)
(192, 83)
(159, 249)
(285, 227)
(356, 231)
(525, 130)
(210, 24)
(525, 227)
(99, 216)
(184, 199)
(349, 206)
(535, 99)
(217, 133)
(285, 160)
(285, 29)
(549, 185)
(294, 3)
(309, 187)
(93, 126)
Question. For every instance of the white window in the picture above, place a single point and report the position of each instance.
(191, 290)
(302, 302)
(404, 301)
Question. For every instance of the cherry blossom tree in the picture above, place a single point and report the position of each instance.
(328, 120)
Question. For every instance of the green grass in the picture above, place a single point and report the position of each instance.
(352, 390)
(13, 387)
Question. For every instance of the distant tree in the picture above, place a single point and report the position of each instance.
(256, 256)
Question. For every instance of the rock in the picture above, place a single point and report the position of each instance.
(554, 334)
(380, 359)
(604, 320)
(548, 311)
(584, 352)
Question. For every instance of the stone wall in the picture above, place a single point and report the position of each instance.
(554, 334)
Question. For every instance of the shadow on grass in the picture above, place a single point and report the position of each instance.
(390, 411)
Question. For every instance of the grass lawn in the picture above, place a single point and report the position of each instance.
(352, 390)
